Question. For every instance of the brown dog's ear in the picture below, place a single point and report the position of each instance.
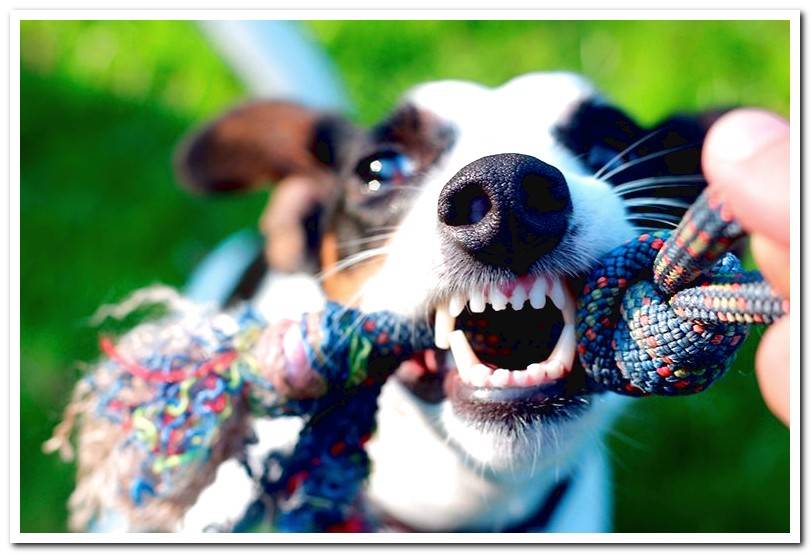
(296, 148)
(259, 142)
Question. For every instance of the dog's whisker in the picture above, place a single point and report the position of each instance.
(646, 202)
(689, 190)
(643, 159)
(366, 240)
(673, 217)
(384, 228)
(350, 303)
(347, 336)
(619, 156)
(409, 187)
(663, 178)
(665, 222)
(353, 260)
(657, 182)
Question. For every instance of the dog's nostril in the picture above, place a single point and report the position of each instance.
(466, 206)
(506, 210)
(541, 195)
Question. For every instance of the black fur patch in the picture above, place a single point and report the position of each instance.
(656, 170)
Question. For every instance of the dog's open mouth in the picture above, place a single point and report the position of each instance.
(518, 334)
(507, 342)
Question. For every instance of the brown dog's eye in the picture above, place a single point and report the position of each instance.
(384, 169)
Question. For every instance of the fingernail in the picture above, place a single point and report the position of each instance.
(741, 133)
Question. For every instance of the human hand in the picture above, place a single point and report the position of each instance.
(746, 161)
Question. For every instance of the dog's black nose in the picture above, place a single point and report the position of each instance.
(506, 210)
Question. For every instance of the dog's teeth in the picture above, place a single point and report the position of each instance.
(477, 301)
(520, 378)
(456, 305)
(465, 373)
(557, 295)
(443, 326)
(537, 373)
(499, 378)
(463, 354)
(519, 296)
(498, 299)
(563, 353)
(556, 370)
(479, 375)
(537, 295)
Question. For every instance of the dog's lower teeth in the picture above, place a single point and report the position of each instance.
(500, 378)
(463, 354)
(537, 373)
(479, 375)
(476, 374)
(520, 378)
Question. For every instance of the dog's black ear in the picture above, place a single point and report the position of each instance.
(258, 143)
(657, 169)
(598, 134)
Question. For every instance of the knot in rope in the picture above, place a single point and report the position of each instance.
(666, 312)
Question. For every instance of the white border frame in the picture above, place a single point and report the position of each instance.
(793, 16)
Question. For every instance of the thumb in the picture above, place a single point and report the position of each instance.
(746, 161)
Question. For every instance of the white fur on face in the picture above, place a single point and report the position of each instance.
(518, 117)
(436, 473)
(431, 468)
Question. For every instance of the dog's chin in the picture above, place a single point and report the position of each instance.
(514, 430)
(499, 404)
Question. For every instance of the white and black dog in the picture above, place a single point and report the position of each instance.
(480, 208)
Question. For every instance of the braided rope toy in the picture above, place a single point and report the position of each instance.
(662, 314)
(665, 313)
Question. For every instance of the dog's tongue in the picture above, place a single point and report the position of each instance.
(424, 373)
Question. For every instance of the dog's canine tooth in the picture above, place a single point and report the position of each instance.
(463, 354)
(553, 369)
(456, 305)
(519, 296)
(537, 295)
(477, 301)
(564, 349)
(443, 326)
(498, 299)
(557, 294)
(471, 370)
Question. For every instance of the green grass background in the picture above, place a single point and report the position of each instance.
(103, 104)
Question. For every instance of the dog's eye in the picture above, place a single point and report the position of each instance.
(384, 169)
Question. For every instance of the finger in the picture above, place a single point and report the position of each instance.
(772, 368)
(746, 160)
(773, 261)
